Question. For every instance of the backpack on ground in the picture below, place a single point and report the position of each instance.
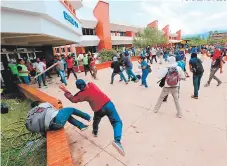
(35, 121)
(197, 68)
(172, 77)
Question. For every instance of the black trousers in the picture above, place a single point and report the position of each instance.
(69, 70)
(154, 57)
(86, 69)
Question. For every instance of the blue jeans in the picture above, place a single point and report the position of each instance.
(65, 114)
(130, 73)
(196, 83)
(121, 76)
(144, 77)
(25, 79)
(62, 75)
(41, 78)
(110, 111)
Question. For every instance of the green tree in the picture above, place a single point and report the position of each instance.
(149, 37)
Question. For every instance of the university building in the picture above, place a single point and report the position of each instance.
(31, 29)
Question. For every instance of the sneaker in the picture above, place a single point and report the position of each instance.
(84, 128)
(119, 147)
(137, 80)
(126, 83)
(155, 111)
(95, 133)
(206, 85)
(120, 80)
(194, 97)
(219, 83)
(111, 83)
(179, 116)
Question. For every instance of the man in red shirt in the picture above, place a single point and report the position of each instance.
(101, 105)
(70, 64)
(91, 62)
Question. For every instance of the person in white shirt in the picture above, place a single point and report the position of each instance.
(153, 54)
(171, 75)
(40, 67)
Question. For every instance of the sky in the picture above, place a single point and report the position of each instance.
(193, 17)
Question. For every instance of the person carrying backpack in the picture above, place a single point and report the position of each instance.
(172, 74)
(196, 68)
(216, 64)
(45, 117)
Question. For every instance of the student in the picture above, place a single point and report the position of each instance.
(61, 70)
(115, 65)
(70, 63)
(91, 62)
(101, 105)
(145, 72)
(23, 71)
(153, 54)
(172, 75)
(128, 67)
(216, 64)
(45, 117)
(39, 68)
(86, 65)
(196, 68)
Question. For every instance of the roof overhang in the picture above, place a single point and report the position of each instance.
(32, 39)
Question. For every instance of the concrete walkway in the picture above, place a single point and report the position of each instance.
(149, 139)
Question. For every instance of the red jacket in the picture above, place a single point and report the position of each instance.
(92, 94)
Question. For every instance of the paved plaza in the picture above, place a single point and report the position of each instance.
(149, 139)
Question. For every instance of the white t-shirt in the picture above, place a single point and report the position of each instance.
(153, 51)
(39, 67)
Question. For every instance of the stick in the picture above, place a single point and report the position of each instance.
(45, 70)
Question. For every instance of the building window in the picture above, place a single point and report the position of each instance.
(57, 50)
(88, 31)
(63, 49)
(68, 49)
(92, 49)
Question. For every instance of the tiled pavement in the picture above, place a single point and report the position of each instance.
(198, 139)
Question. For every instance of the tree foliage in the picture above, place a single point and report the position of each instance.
(149, 37)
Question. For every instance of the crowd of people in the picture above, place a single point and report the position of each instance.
(170, 74)
(41, 70)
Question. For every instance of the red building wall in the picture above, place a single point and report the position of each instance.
(130, 33)
(179, 35)
(153, 24)
(101, 13)
(166, 32)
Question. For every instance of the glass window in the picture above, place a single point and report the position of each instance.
(63, 49)
(83, 31)
(68, 49)
(57, 50)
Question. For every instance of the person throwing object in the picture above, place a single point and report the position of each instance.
(101, 105)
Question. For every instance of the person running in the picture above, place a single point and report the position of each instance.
(60, 69)
(45, 117)
(116, 66)
(216, 64)
(128, 67)
(91, 62)
(23, 71)
(153, 54)
(101, 105)
(196, 68)
(39, 68)
(172, 74)
(70, 63)
(145, 71)
(86, 65)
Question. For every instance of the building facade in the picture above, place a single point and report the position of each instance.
(219, 36)
(46, 28)
(101, 34)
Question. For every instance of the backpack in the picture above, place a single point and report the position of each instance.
(149, 68)
(197, 68)
(172, 77)
(35, 121)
